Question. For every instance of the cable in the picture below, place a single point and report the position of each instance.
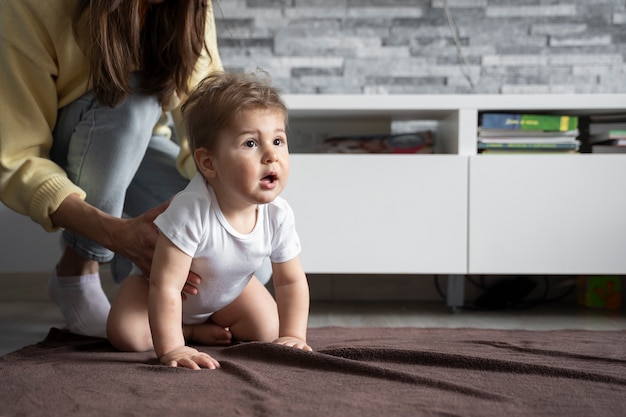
(459, 48)
(438, 287)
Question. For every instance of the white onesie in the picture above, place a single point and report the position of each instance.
(224, 258)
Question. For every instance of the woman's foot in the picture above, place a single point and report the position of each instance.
(82, 301)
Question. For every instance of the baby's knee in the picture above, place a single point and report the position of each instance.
(256, 329)
(268, 329)
(128, 340)
(134, 344)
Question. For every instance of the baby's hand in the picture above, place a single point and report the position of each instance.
(188, 357)
(293, 342)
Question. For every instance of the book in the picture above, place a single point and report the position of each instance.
(523, 134)
(608, 149)
(608, 136)
(608, 118)
(528, 139)
(526, 151)
(522, 121)
(595, 128)
(562, 146)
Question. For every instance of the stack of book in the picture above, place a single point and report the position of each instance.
(607, 133)
(519, 132)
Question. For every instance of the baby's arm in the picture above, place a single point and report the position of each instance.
(292, 297)
(170, 268)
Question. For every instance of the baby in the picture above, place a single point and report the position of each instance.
(221, 227)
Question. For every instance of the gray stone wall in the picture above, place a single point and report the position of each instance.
(407, 46)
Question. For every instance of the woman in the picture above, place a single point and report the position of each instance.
(86, 85)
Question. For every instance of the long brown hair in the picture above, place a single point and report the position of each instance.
(160, 41)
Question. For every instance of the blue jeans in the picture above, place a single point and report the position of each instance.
(112, 154)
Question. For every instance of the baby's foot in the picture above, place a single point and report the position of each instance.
(207, 334)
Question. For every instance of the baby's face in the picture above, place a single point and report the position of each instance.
(252, 156)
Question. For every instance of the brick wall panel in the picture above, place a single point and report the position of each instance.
(406, 46)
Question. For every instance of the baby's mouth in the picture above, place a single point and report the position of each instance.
(269, 179)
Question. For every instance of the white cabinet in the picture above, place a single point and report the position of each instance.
(380, 213)
(455, 212)
(547, 214)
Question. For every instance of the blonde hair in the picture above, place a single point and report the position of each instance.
(222, 97)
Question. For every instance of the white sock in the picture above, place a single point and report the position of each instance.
(82, 301)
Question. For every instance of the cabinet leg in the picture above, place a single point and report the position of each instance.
(455, 292)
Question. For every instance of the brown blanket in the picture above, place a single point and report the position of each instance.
(353, 372)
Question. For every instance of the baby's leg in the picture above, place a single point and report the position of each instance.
(128, 328)
(252, 316)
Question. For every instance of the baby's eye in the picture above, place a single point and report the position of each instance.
(250, 143)
(278, 141)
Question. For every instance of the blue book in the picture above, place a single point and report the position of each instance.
(521, 121)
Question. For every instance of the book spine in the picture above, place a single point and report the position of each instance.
(528, 146)
(520, 121)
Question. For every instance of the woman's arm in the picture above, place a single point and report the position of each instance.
(292, 296)
(133, 238)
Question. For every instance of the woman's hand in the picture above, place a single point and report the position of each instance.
(193, 279)
(140, 233)
(136, 238)
(293, 342)
(188, 357)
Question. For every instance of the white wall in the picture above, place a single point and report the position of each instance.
(24, 245)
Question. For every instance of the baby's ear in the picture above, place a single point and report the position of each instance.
(204, 162)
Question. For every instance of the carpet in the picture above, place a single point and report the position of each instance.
(352, 372)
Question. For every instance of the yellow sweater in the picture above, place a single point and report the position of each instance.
(43, 69)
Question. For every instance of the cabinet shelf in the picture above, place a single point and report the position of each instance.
(456, 115)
